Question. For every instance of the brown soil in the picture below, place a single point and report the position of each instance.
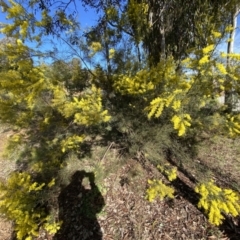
(5, 229)
(6, 167)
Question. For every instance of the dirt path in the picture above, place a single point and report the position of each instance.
(6, 167)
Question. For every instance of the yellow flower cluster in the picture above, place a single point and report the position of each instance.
(51, 183)
(158, 189)
(185, 85)
(233, 125)
(15, 11)
(208, 49)
(71, 142)
(157, 105)
(145, 8)
(233, 56)
(216, 34)
(111, 12)
(63, 18)
(51, 226)
(96, 47)
(204, 60)
(229, 28)
(134, 85)
(18, 198)
(8, 28)
(176, 105)
(59, 100)
(46, 19)
(170, 172)
(87, 110)
(51, 164)
(23, 29)
(138, 10)
(180, 122)
(221, 68)
(216, 201)
(16, 138)
(24, 180)
(111, 53)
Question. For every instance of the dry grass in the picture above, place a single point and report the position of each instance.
(221, 156)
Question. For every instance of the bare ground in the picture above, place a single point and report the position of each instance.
(6, 167)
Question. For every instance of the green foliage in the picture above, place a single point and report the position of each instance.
(137, 13)
(178, 29)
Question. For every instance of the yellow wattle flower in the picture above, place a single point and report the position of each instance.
(217, 201)
(221, 68)
(208, 49)
(180, 123)
(204, 60)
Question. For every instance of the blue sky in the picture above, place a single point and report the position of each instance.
(223, 47)
(89, 17)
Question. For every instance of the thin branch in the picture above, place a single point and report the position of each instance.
(109, 147)
(121, 28)
(76, 54)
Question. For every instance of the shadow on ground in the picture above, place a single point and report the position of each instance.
(78, 206)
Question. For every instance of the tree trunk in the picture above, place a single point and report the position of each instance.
(228, 84)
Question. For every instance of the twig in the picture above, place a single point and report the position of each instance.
(106, 151)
